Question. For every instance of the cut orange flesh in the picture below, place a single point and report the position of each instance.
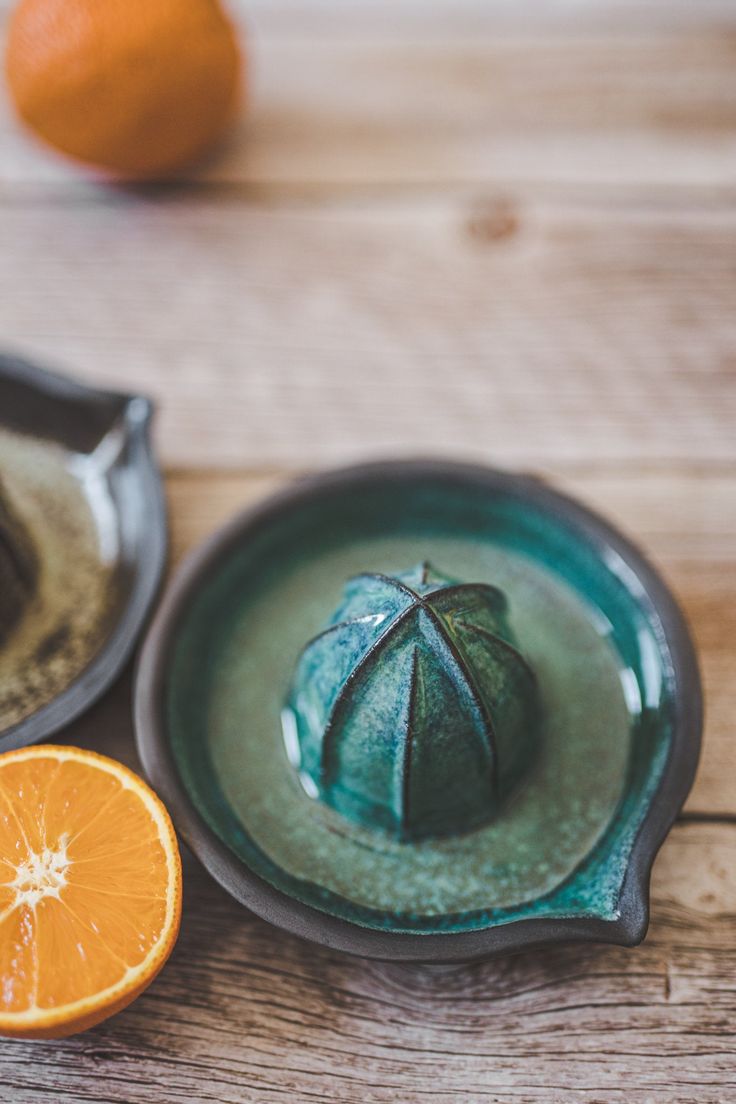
(90, 889)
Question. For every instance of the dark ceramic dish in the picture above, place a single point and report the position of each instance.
(567, 857)
(82, 544)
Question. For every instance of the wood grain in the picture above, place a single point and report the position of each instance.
(473, 228)
(685, 522)
(516, 331)
(342, 95)
(245, 1013)
(410, 20)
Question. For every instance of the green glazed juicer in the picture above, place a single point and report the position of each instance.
(474, 744)
(414, 712)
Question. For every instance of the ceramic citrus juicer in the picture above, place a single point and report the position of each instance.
(425, 711)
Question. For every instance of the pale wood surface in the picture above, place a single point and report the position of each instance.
(368, 94)
(524, 332)
(474, 228)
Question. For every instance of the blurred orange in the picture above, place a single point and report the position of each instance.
(137, 88)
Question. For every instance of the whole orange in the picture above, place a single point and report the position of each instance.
(137, 88)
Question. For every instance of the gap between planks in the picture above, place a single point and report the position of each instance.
(685, 521)
(243, 1012)
(533, 332)
(649, 107)
(246, 1013)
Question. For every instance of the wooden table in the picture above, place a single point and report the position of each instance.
(471, 228)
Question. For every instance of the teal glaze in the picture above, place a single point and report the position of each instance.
(413, 711)
(245, 628)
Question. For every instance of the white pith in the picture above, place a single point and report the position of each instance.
(43, 874)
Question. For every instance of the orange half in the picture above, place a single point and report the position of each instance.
(90, 889)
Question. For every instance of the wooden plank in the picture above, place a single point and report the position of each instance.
(499, 110)
(522, 331)
(685, 521)
(683, 518)
(475, 228)
(447, 19)
(342, 103)
(245, 1013)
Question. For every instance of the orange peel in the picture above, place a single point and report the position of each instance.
(90, 889)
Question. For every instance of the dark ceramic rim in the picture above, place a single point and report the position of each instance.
(300, 919)
(134, 415)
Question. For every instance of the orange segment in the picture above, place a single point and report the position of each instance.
(90, 889)
(17, 959)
